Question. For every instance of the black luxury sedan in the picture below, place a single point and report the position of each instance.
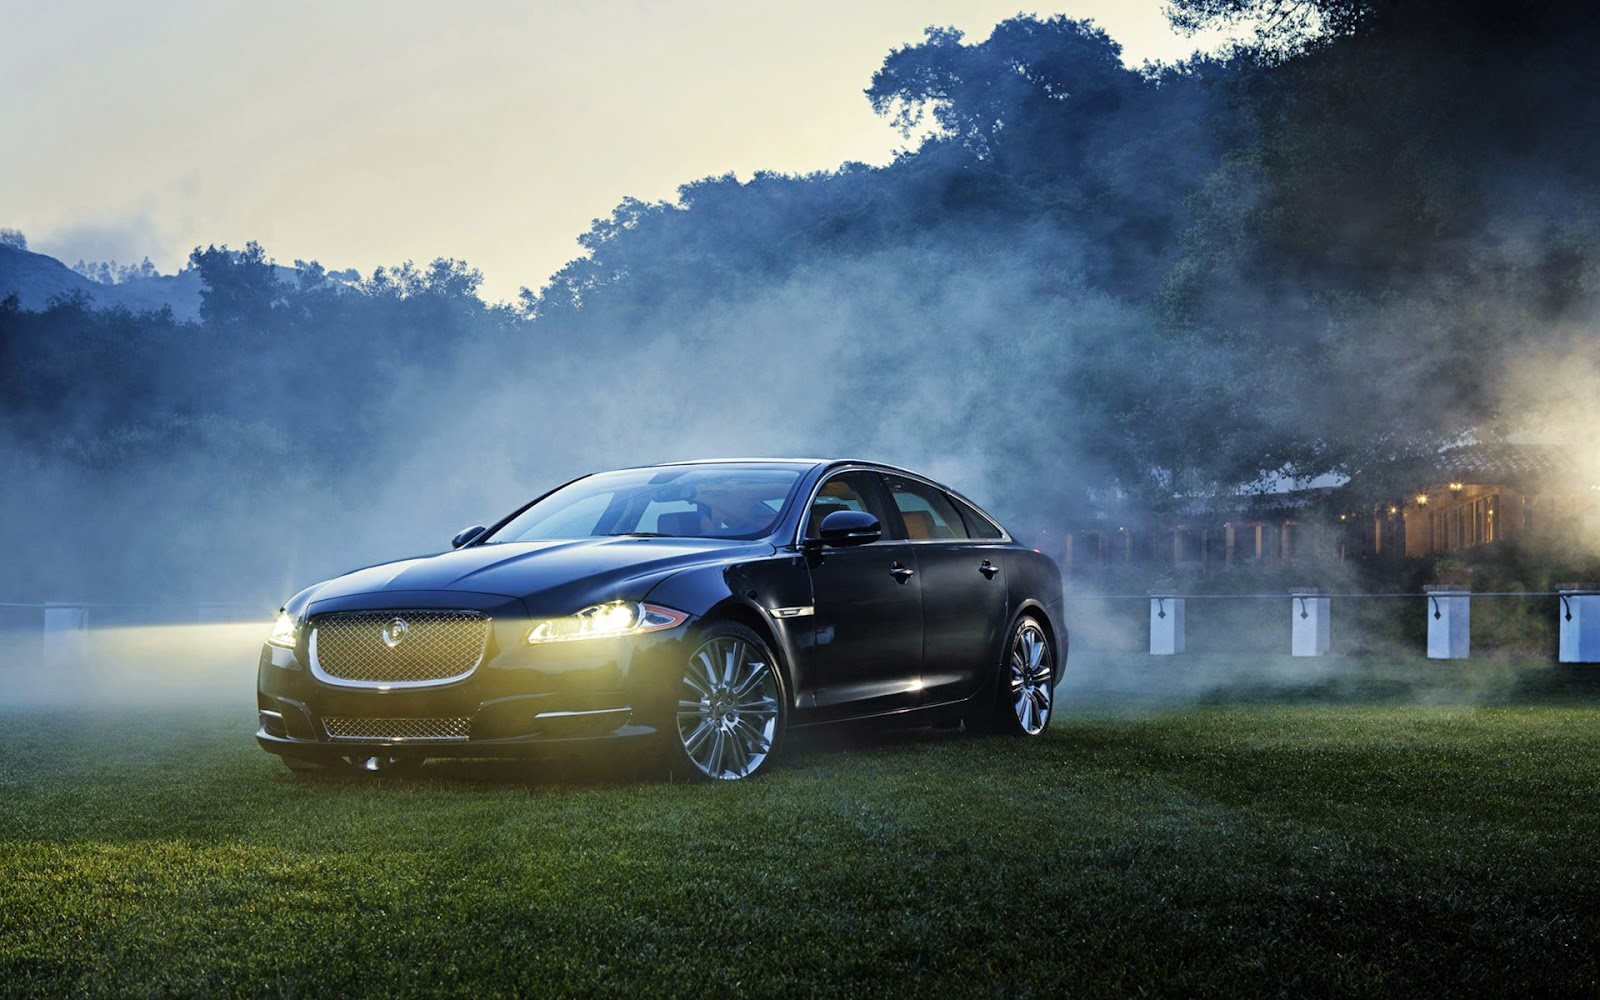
(702, 609)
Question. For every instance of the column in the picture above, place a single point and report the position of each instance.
(1166, 624)
(1312, 618)
(66, 636)
(1580, 622)
(1449, 622)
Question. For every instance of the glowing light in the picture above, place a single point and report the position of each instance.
(1394, 510)
(1422, 499)
(285, 631)
(1456, 487)
(168, 665)
(609, 620)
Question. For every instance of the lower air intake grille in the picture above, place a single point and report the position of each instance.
(397, 729)
(384, 648)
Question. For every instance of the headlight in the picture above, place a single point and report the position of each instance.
(608, 620)
(285, 631)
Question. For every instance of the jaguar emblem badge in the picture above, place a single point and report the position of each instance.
(395, 632)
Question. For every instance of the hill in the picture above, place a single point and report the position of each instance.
(36, 278)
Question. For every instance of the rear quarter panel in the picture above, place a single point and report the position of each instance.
(1036, 583)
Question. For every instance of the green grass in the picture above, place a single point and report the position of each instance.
(1345, 845)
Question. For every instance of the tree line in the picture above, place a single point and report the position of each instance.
(1081, 285)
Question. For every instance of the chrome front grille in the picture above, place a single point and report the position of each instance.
(407, 730)
(397, 648)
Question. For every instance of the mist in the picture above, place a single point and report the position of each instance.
(1161, 286)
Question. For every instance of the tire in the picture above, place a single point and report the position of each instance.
(1027, 680)
(732, 709)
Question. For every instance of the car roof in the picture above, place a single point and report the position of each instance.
(810, 463)
(743, 461)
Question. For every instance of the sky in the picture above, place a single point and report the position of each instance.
(367, 133)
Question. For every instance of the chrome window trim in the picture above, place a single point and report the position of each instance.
(1005, 536)
(805, 509)
(345, 682)
(800, 525)
(948, 541)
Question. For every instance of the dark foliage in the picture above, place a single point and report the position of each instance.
(1085, 285)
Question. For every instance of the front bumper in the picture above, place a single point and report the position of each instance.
(520, 701)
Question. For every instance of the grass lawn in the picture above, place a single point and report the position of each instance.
(1368, 837)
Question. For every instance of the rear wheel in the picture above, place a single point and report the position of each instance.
(1028, 679)
(731, 711)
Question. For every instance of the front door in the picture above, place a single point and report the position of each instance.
(866, 654)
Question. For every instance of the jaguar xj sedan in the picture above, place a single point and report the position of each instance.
(699, 611)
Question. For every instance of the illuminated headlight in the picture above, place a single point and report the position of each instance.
(608, 620)
(284, 631)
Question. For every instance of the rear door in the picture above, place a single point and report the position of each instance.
(964, 604)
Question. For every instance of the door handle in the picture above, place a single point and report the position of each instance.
(901, 573)
(988, 569)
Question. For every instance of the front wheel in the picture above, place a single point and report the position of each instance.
(731, 707)
(1028, 679)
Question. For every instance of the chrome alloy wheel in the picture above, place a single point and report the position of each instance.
(729, 706)
(1032, 677)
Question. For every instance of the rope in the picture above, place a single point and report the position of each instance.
(1281, 596)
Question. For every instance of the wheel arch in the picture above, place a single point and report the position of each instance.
(1056, 636)
(732, 609)
(718, 593)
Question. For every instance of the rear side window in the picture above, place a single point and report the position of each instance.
(926, 511)
(978, 526)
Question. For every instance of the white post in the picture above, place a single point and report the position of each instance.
(1312, 620)
(66, 636)
(1449, 623)
(1580, 622)
(1166, 624)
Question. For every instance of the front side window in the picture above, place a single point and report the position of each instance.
(697, 501)
(845, 491)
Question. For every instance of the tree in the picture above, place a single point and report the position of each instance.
(1027, 73)
(241, 286)
(1414, 214)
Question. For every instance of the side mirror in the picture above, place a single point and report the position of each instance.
(466, 535)
(850, 527)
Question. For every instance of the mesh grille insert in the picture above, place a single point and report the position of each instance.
(399, 647)
(397, 729)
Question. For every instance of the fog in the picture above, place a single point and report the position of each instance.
(124, 668)
(1154, 289)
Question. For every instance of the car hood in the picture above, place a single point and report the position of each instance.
(541, 572)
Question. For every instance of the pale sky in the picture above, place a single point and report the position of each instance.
(362, 133)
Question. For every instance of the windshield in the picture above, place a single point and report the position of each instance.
(691, 501)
